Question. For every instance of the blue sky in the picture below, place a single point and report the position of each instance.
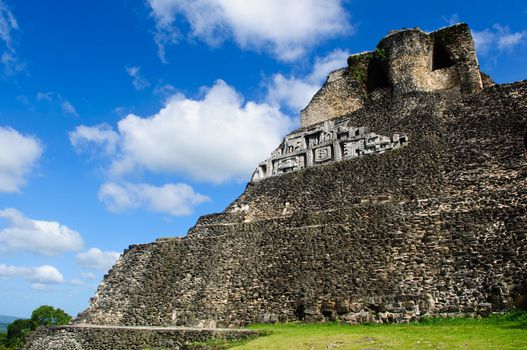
(123, 121)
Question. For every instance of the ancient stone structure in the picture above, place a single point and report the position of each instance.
(437, 227)
(332, 140)
(130, 338)
(404, 61)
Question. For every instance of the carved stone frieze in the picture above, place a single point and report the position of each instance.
(331, 141)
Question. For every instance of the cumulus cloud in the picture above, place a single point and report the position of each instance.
(296, 92)
(24, 151)
(285, 30)
(57, 99)
(172, 199)
(45, 274)
(138, 81)
(165, 90)
(102, 136)
(498, 39)
(8, 26)
(217, 138)
(94, 258)
(37, 236)
(292, 92)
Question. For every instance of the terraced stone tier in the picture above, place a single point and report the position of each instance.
(438, 227)
(96, 337)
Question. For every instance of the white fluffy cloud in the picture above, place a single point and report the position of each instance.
(138, 81)
(286, 30)
(37, 236)
(498, 39)
(296, 92)
(102, 136)
(217, 138)
(292, 92)
(172, 199)
(17, 162)
(94, 258)
(45, 274)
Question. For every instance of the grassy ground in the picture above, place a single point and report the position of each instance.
(494, 333)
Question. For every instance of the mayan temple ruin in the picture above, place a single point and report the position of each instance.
(403, 194)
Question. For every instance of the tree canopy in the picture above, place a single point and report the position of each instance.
(43, 316)
(49, 316)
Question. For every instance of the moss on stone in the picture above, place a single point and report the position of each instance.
(358, 66)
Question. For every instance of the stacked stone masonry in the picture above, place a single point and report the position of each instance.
(437, 227)
(404, 61)
(434, 228)
(129, 338)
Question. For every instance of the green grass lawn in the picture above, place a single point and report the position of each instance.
(493, 333)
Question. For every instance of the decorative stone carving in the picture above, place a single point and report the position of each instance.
(288, 164)
(323, 154)
(331, 141)
(353, 148)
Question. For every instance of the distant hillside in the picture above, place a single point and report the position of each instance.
(8, 319)
(4, 321)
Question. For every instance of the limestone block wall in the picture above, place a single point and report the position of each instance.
(437, 227)
(122, 338)
(340, 95)
(405, 61)
(456, 41)
(441, 60)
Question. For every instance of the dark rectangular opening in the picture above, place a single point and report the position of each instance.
(440, 57)
(342, 135)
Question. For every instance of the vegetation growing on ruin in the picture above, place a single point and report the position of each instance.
(358, 66)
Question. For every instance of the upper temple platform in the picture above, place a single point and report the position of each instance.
(404, 61)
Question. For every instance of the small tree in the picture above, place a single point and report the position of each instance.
(3, 341)
(17, 331)
(49, 316)
(42, 316)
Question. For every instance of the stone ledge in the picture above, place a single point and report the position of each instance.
(100, 337)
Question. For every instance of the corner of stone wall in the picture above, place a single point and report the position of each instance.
(404, 61)
(341, 94)
(442, 60)
(459, 43)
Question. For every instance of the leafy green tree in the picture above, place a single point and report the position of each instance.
(49, 316)
(17, 331)
(42, 316)
(3, 341)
